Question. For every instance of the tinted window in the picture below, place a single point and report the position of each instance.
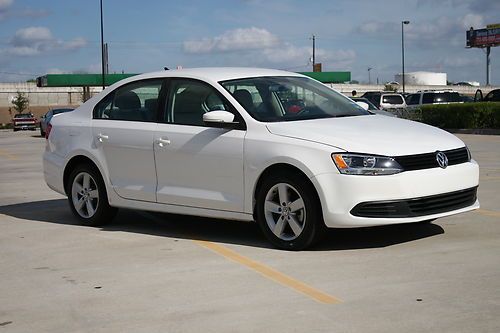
(188, 100)
(413, 99)
(290, 98)
(137, 101)
(441, 97)
(392, 99)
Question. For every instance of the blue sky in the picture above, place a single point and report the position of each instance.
(39, 37)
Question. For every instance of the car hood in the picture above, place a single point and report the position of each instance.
(373, 134)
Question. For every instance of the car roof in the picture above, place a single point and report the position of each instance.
(216, 73)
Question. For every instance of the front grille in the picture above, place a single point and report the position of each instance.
(428, 160)
(434, 204)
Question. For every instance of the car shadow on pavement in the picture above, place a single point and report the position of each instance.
(220, 231)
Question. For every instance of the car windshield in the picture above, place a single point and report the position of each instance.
(280, 98)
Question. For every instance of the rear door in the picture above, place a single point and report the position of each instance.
(123, 127)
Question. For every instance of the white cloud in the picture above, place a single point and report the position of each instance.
(262, 48)
(5, 4)
(233, 40)
(4, 8)
(37, 40)
(429, 33)
(472, 20)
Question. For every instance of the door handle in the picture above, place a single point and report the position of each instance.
(162, 142)
(101, 137)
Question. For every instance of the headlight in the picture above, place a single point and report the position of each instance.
(356, 164)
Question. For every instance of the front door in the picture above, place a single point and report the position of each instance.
(196, 165)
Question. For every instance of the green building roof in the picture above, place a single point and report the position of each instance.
(78, 80)
(329, 77)
(95, 80)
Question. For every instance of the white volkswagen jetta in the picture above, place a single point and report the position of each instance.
(253, 144)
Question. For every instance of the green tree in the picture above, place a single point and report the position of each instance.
(20, 102)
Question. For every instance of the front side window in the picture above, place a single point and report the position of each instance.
(281, 98)
(137, 101)
(189, 100)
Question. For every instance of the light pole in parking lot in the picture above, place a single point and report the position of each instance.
(102, 49)
(403, 51)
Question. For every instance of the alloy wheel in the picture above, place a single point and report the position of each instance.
(285, 211)
(85, 195)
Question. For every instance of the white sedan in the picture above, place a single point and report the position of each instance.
(253, 144)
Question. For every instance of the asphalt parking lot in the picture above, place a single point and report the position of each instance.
(163, 273)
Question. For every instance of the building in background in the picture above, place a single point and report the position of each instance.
(423, 78)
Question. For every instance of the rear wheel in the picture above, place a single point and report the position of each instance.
(87, 197)
(288, 212)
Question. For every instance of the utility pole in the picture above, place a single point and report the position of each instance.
(403, 52)
(488, 71)
(314, 51)
(369, 77)
(102, 51)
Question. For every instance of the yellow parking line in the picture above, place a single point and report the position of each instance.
(488, 212)
(8, 155)
(270, 273)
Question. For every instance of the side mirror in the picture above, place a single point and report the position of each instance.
(363, 105)
(219, 118)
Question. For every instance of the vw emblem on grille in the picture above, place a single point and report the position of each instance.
(441, 159)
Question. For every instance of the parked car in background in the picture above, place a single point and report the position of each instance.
(433, 97)
(45, 119)
(221, 143)
(467, 99)
(392, 101)
(372, 108)
(384, 100)
(24, 121)
(492, 96)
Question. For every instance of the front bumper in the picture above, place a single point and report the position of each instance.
(340, 194)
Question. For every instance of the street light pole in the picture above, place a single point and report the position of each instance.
(369, 76)
(314, 51)
(403, 51)
(102, 50)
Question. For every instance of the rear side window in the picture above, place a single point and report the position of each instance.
(137, 101)
(392, 99)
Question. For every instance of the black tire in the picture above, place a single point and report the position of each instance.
(102, 212)
(310, 218)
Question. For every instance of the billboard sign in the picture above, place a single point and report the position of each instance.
(483, 37)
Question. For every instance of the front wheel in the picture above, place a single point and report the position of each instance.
(288, 212)
(87, 197)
